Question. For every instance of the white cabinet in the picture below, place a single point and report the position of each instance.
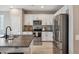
(47, 36)
(16, 21)
(47, 20)
(44, 38)
(50, 36)
(43, 22)
(50, 20)
(28, 19)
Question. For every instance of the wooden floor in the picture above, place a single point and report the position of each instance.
(45, 48)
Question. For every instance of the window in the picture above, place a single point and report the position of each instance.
(1, 24)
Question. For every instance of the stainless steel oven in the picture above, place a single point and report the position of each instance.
(37, 32)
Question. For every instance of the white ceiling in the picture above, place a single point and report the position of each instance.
(32, 7)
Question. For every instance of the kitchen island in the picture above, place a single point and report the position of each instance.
(18, 43)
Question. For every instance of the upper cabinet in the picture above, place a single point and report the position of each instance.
(47, 19)
(28, 19)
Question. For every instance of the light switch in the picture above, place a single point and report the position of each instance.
(77, 37)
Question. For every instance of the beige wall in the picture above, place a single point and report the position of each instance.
(76, 28)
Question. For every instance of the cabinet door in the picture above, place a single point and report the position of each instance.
(25, 20)
(28, 19)
(43, 20)
(47, 36)
(49, 20)
(43, 36)
(50, 36)
(31, 18)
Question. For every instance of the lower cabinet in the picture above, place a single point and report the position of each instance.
(47, 36)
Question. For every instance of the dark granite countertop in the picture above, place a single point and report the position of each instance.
(20, 41)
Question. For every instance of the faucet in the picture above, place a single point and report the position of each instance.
(6, 36)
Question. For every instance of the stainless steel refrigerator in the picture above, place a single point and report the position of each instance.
(60, 34)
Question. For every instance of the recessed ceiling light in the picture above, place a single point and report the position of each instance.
(42, 6)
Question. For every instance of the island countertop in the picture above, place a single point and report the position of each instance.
(20, 41)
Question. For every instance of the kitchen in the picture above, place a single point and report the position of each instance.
(32, 28)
